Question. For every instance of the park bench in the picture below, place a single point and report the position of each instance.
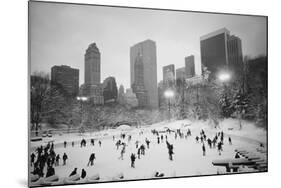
(36, 139)
(232, 164)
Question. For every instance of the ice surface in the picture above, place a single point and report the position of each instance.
(188, 158)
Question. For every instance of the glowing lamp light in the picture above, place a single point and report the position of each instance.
(82, 98)
(169, 94)
(224, 77)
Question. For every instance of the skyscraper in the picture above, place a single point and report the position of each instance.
(147, 51)
(180, 73)
(169, 75)
(93, 88)
(138, 85)
(220, 51)
(189, 66)
(67, 78)
(110, 90)
(234, 46)
(92, 65)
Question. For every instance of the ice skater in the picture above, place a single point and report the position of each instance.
(32, 159)
(91, 159)
(50, 171)
(133, 158)
(229, 141)
(64, 158)
(73, 172)
(83, 174)
(57, 160)
(204, 149)
(147, 143)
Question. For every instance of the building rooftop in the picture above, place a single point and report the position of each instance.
(214, 33)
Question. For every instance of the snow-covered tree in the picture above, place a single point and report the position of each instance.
(240, 105)
(225, 103)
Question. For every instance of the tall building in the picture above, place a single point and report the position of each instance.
(92, 65)
(235, 55)
(147, 51)
(169, 75)
(110, 89)
(67, 78)
(220, 51)
(180, 74)
(189, 66)
(93, 88)
(138, 85)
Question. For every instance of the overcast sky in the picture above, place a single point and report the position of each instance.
(60, 34)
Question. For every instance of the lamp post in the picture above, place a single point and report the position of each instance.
(169, 94)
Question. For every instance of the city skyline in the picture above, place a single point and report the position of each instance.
(115, 30)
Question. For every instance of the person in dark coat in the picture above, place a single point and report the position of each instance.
(209, 141)
(229, 141)
(73, 172)
(99, 143)
(72, 144)
(122, 153)
(64, 144)
(83, 174)
(204, 150)
(142, 149)
(50, 171)
(237, 156)
(133, 158)
(197, 139)
(64, 158)
(171, 152)
(91, 159)
(57, 160)
(219, 147)
(32, 159)
(147, 143)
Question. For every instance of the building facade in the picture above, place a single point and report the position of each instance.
(93, 89)
(235, 56)
(147, 51)
(67, 78)
(138, 85)
(189, 66)
(220, 51)
(180, 73)
(169, 76)
(110, 92)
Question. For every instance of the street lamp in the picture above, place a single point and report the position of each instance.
(169, 94)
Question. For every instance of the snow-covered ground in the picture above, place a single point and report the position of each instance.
(188, 158)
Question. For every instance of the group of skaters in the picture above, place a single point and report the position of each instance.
(216, 142)
(46, 157)
(83, 143)
(140, 148)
